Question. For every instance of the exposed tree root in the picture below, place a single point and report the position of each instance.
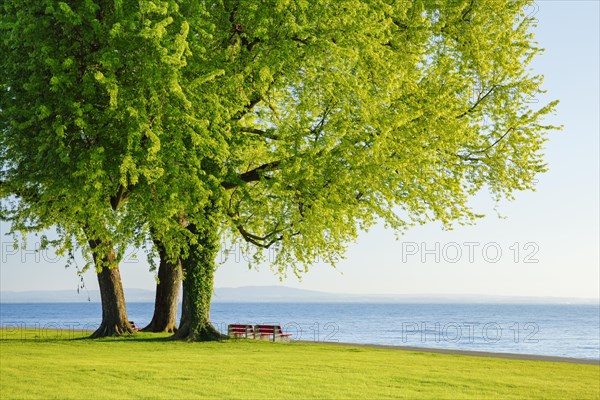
(206, 333)
(106, 330)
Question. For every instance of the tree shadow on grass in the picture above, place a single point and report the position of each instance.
(55, 336)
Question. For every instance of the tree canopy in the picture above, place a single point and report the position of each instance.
(297, 123)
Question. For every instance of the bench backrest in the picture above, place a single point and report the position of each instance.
(237, 328)
(240, 326)
(268, 329)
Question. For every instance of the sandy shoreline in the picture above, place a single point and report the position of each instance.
(510, 356)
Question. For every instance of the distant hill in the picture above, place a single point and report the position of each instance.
(293, 295)
(282, 294)
(70, 296)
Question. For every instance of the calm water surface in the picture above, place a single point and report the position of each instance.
(554, 330)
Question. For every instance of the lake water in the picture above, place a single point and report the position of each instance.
(553, 330)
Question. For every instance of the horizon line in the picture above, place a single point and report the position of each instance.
(379, 295)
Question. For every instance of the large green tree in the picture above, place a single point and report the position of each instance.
(87, 89)
(288, 125)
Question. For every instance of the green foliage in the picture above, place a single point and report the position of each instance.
(307, 120)
(368, 111)
(52, 366)
(88, 89)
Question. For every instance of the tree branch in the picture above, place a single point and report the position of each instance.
(268, 133)
(247, 108)
(253, 175)
(468, 157)
(121, 195)
(479, 101)
(256, 240)
(493, 144)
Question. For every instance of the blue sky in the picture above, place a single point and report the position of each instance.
(545, 244)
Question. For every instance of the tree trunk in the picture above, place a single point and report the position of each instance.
(184, 323)
(114, 312)
(199, 269)
(167, 294)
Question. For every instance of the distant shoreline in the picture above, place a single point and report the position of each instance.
(294, 301)
(285, 294)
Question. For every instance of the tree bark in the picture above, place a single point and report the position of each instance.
(167, 294)
(199, 269)
(114, 313)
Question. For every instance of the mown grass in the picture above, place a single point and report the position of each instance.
(62, 365)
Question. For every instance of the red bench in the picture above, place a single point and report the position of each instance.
(240, 330)
(273, 332)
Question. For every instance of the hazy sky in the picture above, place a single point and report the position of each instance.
(545, 244)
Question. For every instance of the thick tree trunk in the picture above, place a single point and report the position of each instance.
(184, 323)
(167, 294)
(114, 312)
(199, 269)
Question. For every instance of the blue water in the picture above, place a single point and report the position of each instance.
(553, 330)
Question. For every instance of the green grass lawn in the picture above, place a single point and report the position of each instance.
(61, 365)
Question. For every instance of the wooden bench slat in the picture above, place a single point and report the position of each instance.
(240, 330)
(248, 330)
